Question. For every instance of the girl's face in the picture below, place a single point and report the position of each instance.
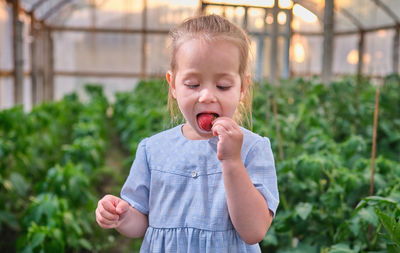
(207, 80)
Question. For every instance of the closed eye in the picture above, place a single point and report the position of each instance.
(223, 87)
(192, 86)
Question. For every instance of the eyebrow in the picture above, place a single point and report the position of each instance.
(222, 75)
(197, 74)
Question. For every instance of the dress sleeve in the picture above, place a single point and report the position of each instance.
(136, 188)
(260, 166)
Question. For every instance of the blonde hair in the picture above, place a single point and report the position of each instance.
(214, 27)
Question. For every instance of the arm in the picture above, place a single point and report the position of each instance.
(134, 222)
(247, 207)
(134, 225)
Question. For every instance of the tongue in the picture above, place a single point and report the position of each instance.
(205, 121)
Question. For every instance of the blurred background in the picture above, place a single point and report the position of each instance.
(82, 83)
(58, 45)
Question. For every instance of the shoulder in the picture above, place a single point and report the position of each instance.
(256, 149)
(250, 138)
(255, 145)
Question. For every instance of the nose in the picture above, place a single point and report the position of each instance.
(207, 96)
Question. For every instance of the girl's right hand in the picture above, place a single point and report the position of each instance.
(111, 211)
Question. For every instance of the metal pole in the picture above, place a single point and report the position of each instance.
(327, 55)
(246, 16)
(17, 53)
(144, 41)
(33, 60)
(274, 45)
(361, 49)
(260, 58)
(49, 67)
(395, 55)
(288, 37)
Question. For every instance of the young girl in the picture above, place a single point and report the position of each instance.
(208, 185)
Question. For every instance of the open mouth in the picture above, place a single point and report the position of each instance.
(204, 120)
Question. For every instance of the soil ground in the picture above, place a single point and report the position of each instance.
(115, 160)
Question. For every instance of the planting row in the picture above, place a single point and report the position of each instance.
(321, 137)
(48, 171)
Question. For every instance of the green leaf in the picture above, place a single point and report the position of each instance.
(27, 249)
(85, 244)
(302, 247)
(9, 219)
(355, 225)
(37, 239)
(368, 215)
(341, 248)
(303, 210)
(19, 183)
(392, 248)
(373, 200)
(391, 225)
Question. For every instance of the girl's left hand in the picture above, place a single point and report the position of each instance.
(230, 139)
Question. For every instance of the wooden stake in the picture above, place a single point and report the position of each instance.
(373, 152)
(268, 109)
(278, 133)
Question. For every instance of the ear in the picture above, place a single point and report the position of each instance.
(244, 87)
(171, 83)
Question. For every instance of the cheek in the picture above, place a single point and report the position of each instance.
(230, 105)
(183, 103)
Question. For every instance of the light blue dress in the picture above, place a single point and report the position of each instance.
(178, 183)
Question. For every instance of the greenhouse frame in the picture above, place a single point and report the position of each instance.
(93, 126)
(335, 32)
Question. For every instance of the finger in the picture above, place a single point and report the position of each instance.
(103, 220)
(219, 130)
(108, 205)
(106, 214)
(231, 127)
(104, 223)
(122, 207)
(107, 226)
(227, 123)
(220, 120)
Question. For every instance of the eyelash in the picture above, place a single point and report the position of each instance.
(223, 87)
(194, 86)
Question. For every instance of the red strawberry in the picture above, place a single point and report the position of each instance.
(205, 120)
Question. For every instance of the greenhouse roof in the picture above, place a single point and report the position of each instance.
(351, 15)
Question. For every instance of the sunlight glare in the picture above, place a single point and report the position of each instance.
(299, 53)
(382, 33)
(259, 23)
(304, 14)
(352, 57)
(367, 58)
(295, 24)
(285, 4)
(269, 19)
(217, 10)
(262, 3)
(282, 18)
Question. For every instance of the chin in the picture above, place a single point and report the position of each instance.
(203, 133)
(197, 133)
